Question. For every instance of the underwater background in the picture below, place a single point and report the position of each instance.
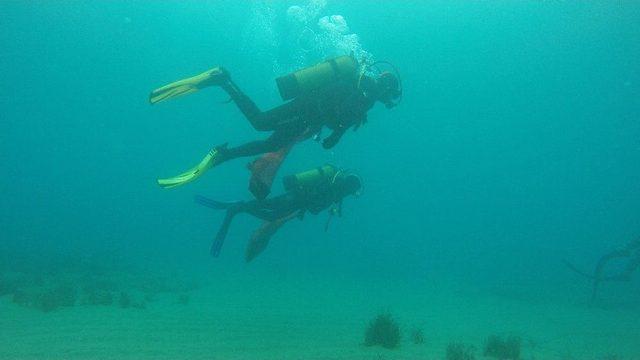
(516, 148)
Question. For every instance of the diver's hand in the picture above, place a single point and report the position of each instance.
(328, 143)
(333, 139)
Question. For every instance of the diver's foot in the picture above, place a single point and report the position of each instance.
(236, 207)
(218, 76)
(219, 154)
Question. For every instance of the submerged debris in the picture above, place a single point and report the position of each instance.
(630, 252)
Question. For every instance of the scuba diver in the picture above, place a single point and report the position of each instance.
(311, 191)
(631, 251)
(335, 94)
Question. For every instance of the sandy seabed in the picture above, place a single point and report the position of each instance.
(247, 317)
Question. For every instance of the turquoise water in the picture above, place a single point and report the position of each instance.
(516, 147)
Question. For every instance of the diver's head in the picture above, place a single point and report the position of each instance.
(349, 184)
(388, 89)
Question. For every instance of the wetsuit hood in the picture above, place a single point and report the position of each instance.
(389, 89)
(383, 85)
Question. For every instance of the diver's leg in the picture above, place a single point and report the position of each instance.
(249, 149)
(263, 214)
(255, 208)
(274, 208)
(274, 142)
(242, 101)
(261, 120)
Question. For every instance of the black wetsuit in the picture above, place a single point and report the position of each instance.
(321, 198)
(338, 107)
(280, 207)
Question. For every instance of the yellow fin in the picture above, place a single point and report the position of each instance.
(187, 86)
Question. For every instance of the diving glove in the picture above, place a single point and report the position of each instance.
(214, 77)
(213, 158)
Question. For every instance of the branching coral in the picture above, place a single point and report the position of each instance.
(383, 331)
(503, 349)
(460, 351)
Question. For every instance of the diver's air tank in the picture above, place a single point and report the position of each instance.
(310, 179)
(316, 76)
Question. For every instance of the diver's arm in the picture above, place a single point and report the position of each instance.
(334, 138)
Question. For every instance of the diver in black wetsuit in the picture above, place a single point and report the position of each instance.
(336, 94)
(339, 106)
(312, 191)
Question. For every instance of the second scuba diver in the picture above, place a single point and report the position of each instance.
(311, 191)
(336, 93)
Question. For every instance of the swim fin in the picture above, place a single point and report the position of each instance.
(212, 159)
(214, 77)
(260, 238)
(215, 204)
(216, 246)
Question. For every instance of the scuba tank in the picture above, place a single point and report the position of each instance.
(317, 76)
(309, 180)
